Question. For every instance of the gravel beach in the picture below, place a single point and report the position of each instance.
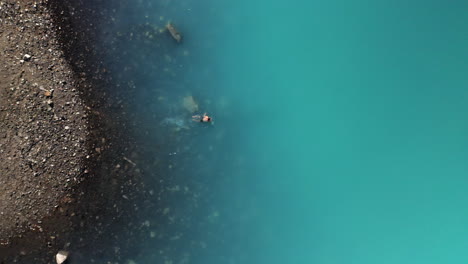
(65, 158)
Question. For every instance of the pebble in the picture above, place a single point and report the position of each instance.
(61, 256)
(26, 57)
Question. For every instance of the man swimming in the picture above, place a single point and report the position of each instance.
(202, 118)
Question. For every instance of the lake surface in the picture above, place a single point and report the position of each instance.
(340, 130)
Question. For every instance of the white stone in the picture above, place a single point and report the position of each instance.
(61, 256)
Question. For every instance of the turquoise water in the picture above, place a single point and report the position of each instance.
(340, 131)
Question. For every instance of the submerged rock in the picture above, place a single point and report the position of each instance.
(174, 32)
(190, 104)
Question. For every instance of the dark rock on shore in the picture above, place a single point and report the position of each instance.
(64, 178)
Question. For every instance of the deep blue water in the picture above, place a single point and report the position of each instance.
(340, 130)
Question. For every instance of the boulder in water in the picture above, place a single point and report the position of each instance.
(174, 32)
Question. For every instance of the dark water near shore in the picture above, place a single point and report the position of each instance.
(340, 131)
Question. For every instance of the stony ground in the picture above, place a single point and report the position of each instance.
(65, 175)
(43, 121)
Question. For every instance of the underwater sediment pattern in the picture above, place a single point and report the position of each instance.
(339, 130)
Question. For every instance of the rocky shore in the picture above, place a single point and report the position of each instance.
(66, 172)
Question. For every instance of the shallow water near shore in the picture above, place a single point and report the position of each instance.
(340, 132)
